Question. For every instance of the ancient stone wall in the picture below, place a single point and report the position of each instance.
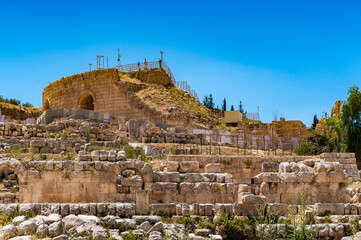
(244, 168)
(103, 91)
(99, 177)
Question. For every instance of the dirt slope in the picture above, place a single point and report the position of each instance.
(175, 100)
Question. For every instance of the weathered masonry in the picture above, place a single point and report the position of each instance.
(103, 91)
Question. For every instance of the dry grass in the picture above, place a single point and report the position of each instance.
(125, 77)
(162, 99)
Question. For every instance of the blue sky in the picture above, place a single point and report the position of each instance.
(295, 58)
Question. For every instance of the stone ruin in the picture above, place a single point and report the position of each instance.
(74, 179)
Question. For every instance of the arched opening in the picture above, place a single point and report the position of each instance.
(9, 186)
(46, 105)
(86, 101)
(128, 182)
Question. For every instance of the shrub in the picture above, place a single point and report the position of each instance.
(233, 227)
(27, 104)
(188, 221)
(87, 135)
(130, 152)
(14, 101)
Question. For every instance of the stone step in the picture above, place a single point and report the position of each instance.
(341, 160)
(352, 171)
(349, 166)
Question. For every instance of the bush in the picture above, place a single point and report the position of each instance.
(14, 101)
(87, 135)
(27, 104)
(130, 152)
(232, 226)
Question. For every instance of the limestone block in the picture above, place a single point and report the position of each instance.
(244, 188)
(168, 208)
(26, 208)
(120, 210)
(208, 209)
(305, 177)
(185, 210)
(112, 155)
(278, 209)
(84, 156)
(202, 232)
(172, 166)
(333, 208)
(228, 178)
(145, 226)
(212, 168)
(55, 229)
(142, 201)
(219, 208)
(253, 199)
(270, 167)
(220, 177)
(37, 143)
(337, 177)
(284, 167)
(169, 177)
(194, 208)
(322, 177)
(74, 209)
(121, 156)
(347, 209)
(238, 209)
(336, 231)
(287, 177)
(191, 177)
(129, 209)
(189, 166)
(27, 227)
(264, 188)
(103, 155)
(95, 155)
(267, 177)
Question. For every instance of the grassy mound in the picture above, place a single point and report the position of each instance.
(177, 101)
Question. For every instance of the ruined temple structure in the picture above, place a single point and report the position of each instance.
(106, 92)
(80, 179)
(101, 164)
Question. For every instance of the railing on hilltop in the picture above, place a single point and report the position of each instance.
(185, 87)
(151, 65)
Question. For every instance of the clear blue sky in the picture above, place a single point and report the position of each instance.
(292, 57)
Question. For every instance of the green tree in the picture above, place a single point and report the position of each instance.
(351, 120)
(232, 108)
(224, 105)
(208, 101)
(27, 104)
(14, 101)
(240, 107)
(315, 121)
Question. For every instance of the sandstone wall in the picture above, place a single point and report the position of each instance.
(101, 181)
(108, 93)
(242, 168)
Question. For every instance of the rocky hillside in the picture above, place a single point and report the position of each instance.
(15, 112)
(175, 100)
(153, 76)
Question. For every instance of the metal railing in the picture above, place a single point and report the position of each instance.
(245, 142)
(148, 65)
(151, 65)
